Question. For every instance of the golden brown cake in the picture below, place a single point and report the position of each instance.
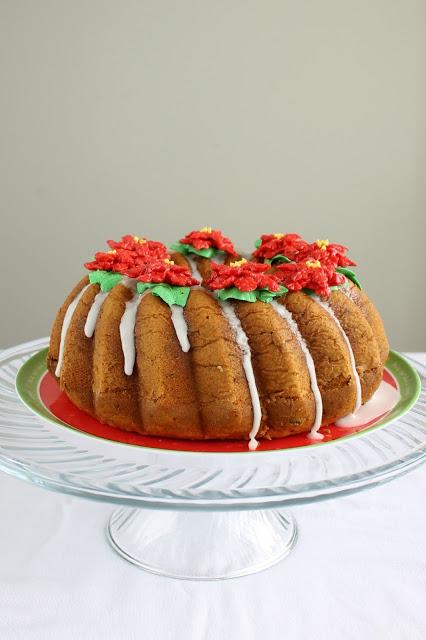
(197, 343)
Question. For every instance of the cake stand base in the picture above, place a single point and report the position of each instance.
(202, 546)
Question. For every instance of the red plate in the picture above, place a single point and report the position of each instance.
(60, 406)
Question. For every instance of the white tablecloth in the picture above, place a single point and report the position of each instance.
(358, 572)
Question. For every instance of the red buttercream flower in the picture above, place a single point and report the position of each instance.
(208, 237)
(288, 245)
(140, 246)
(320, 249)
(103, 261)
(311, 274)
(168, 272)
(128, 256)
(244, 275)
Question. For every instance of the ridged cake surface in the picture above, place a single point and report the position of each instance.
(217, 368)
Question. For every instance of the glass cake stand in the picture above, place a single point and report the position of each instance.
(203, 515)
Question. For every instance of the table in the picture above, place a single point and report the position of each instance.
(358, 572)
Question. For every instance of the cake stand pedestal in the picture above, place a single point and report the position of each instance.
(203, 515)
(198, 546)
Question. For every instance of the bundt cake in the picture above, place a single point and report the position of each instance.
(199, 342)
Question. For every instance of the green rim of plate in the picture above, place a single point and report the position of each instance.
(408, 380)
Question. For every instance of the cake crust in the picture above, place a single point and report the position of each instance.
(204, 394)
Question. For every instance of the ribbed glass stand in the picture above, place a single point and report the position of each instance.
(197, 545)
(200, 515)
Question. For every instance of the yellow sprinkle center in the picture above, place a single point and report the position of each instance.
(278, 236)
(112, 251)
(322, 244)
(206, 230)
(238, 263)
(140, 240)
(167, 261)
(313, 264)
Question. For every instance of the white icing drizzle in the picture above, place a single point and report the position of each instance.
(180, 326)
(65, 325)
(130, 283)
(381, 402)
(92, 316)
(285, 313)
(243, 343)
(327, 307)
(127, 333)
(194, 268)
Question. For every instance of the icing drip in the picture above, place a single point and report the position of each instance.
(347, 291)
(180, 326)
(130, 283)
(381, 402)
(326, 306)
(65, 325)
(194, 268)
(242, 342)
(92, 316)
(127, 333)
(285, 313)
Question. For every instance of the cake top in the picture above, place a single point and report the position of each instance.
(280, 263)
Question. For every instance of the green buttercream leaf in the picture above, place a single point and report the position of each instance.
(278, 258)
(167, 292)
(143, 286)
(179, 247)
(350, 275)
(204, 253)
(188, 248)
(258, 243)
(110, 281)
(95, 277)
(311, 292)
(263, 295)
(106, 279)
(236, 294)
(181, 295)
